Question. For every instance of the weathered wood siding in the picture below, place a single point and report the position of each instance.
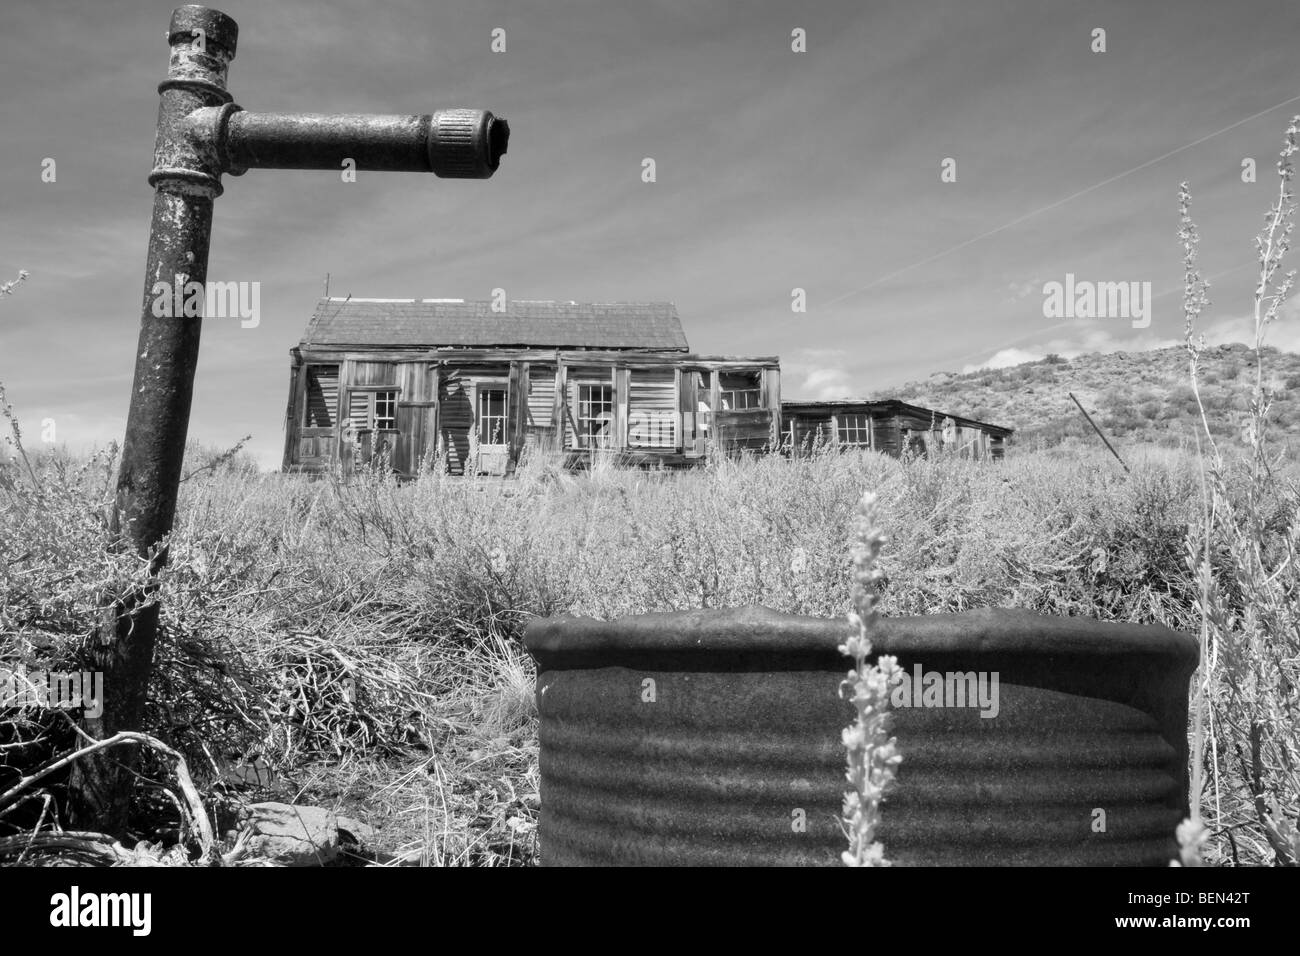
(751, 429)
(694, 432)
(653, 412)
(361, 373)
(895, 428)
(805, 432)
(539, 424)
(417, 410)
(654, 419)
(455, 417)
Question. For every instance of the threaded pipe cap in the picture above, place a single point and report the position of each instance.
(466, 144)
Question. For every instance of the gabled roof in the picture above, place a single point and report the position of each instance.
(439, 323)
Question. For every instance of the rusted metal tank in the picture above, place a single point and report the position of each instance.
(713, 738)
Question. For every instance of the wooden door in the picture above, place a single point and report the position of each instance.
(318, 418)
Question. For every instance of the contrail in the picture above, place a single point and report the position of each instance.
(1060, 202)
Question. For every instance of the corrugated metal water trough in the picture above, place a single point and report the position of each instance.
(713, 738)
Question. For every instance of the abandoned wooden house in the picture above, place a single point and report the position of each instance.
(889, 426)
(453, 384)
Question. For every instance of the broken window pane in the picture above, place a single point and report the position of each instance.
(322, 396)
(739, 390)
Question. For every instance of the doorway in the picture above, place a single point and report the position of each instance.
(490, 428)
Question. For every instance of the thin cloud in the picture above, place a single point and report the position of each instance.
(1283, 334)
(818, 374)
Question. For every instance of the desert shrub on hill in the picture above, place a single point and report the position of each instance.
(1033, 397)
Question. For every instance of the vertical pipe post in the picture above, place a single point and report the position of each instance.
(186, 178)
(201, 134)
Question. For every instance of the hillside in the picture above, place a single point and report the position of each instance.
(1136, 397)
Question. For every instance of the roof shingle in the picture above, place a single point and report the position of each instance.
(435, 323)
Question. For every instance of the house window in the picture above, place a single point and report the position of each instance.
(595, 418)
(855, 430)
(386, 410)
(374, 409)
(738, 391)
(492, 416)
(321, 396)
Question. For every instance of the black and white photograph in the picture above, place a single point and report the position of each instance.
(647, 434)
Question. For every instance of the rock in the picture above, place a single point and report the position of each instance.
(291, 835)
(360, 833)
(257, 773)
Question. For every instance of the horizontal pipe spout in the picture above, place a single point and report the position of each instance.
(457, 144)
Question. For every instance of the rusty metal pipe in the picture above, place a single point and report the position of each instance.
(459, 144)
(201, 135)
(186, 180)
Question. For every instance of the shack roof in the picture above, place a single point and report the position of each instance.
(887, 406)
(440, 323)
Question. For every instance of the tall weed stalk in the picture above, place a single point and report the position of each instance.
(1243, 556)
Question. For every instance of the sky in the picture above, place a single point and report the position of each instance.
(775, 170)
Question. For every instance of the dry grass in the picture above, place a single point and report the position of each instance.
(362, 639)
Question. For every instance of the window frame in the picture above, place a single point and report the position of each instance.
(381, 395)
(373, 393)
(746, 398)
(853, 430)
(481, 391)
(582, 424)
